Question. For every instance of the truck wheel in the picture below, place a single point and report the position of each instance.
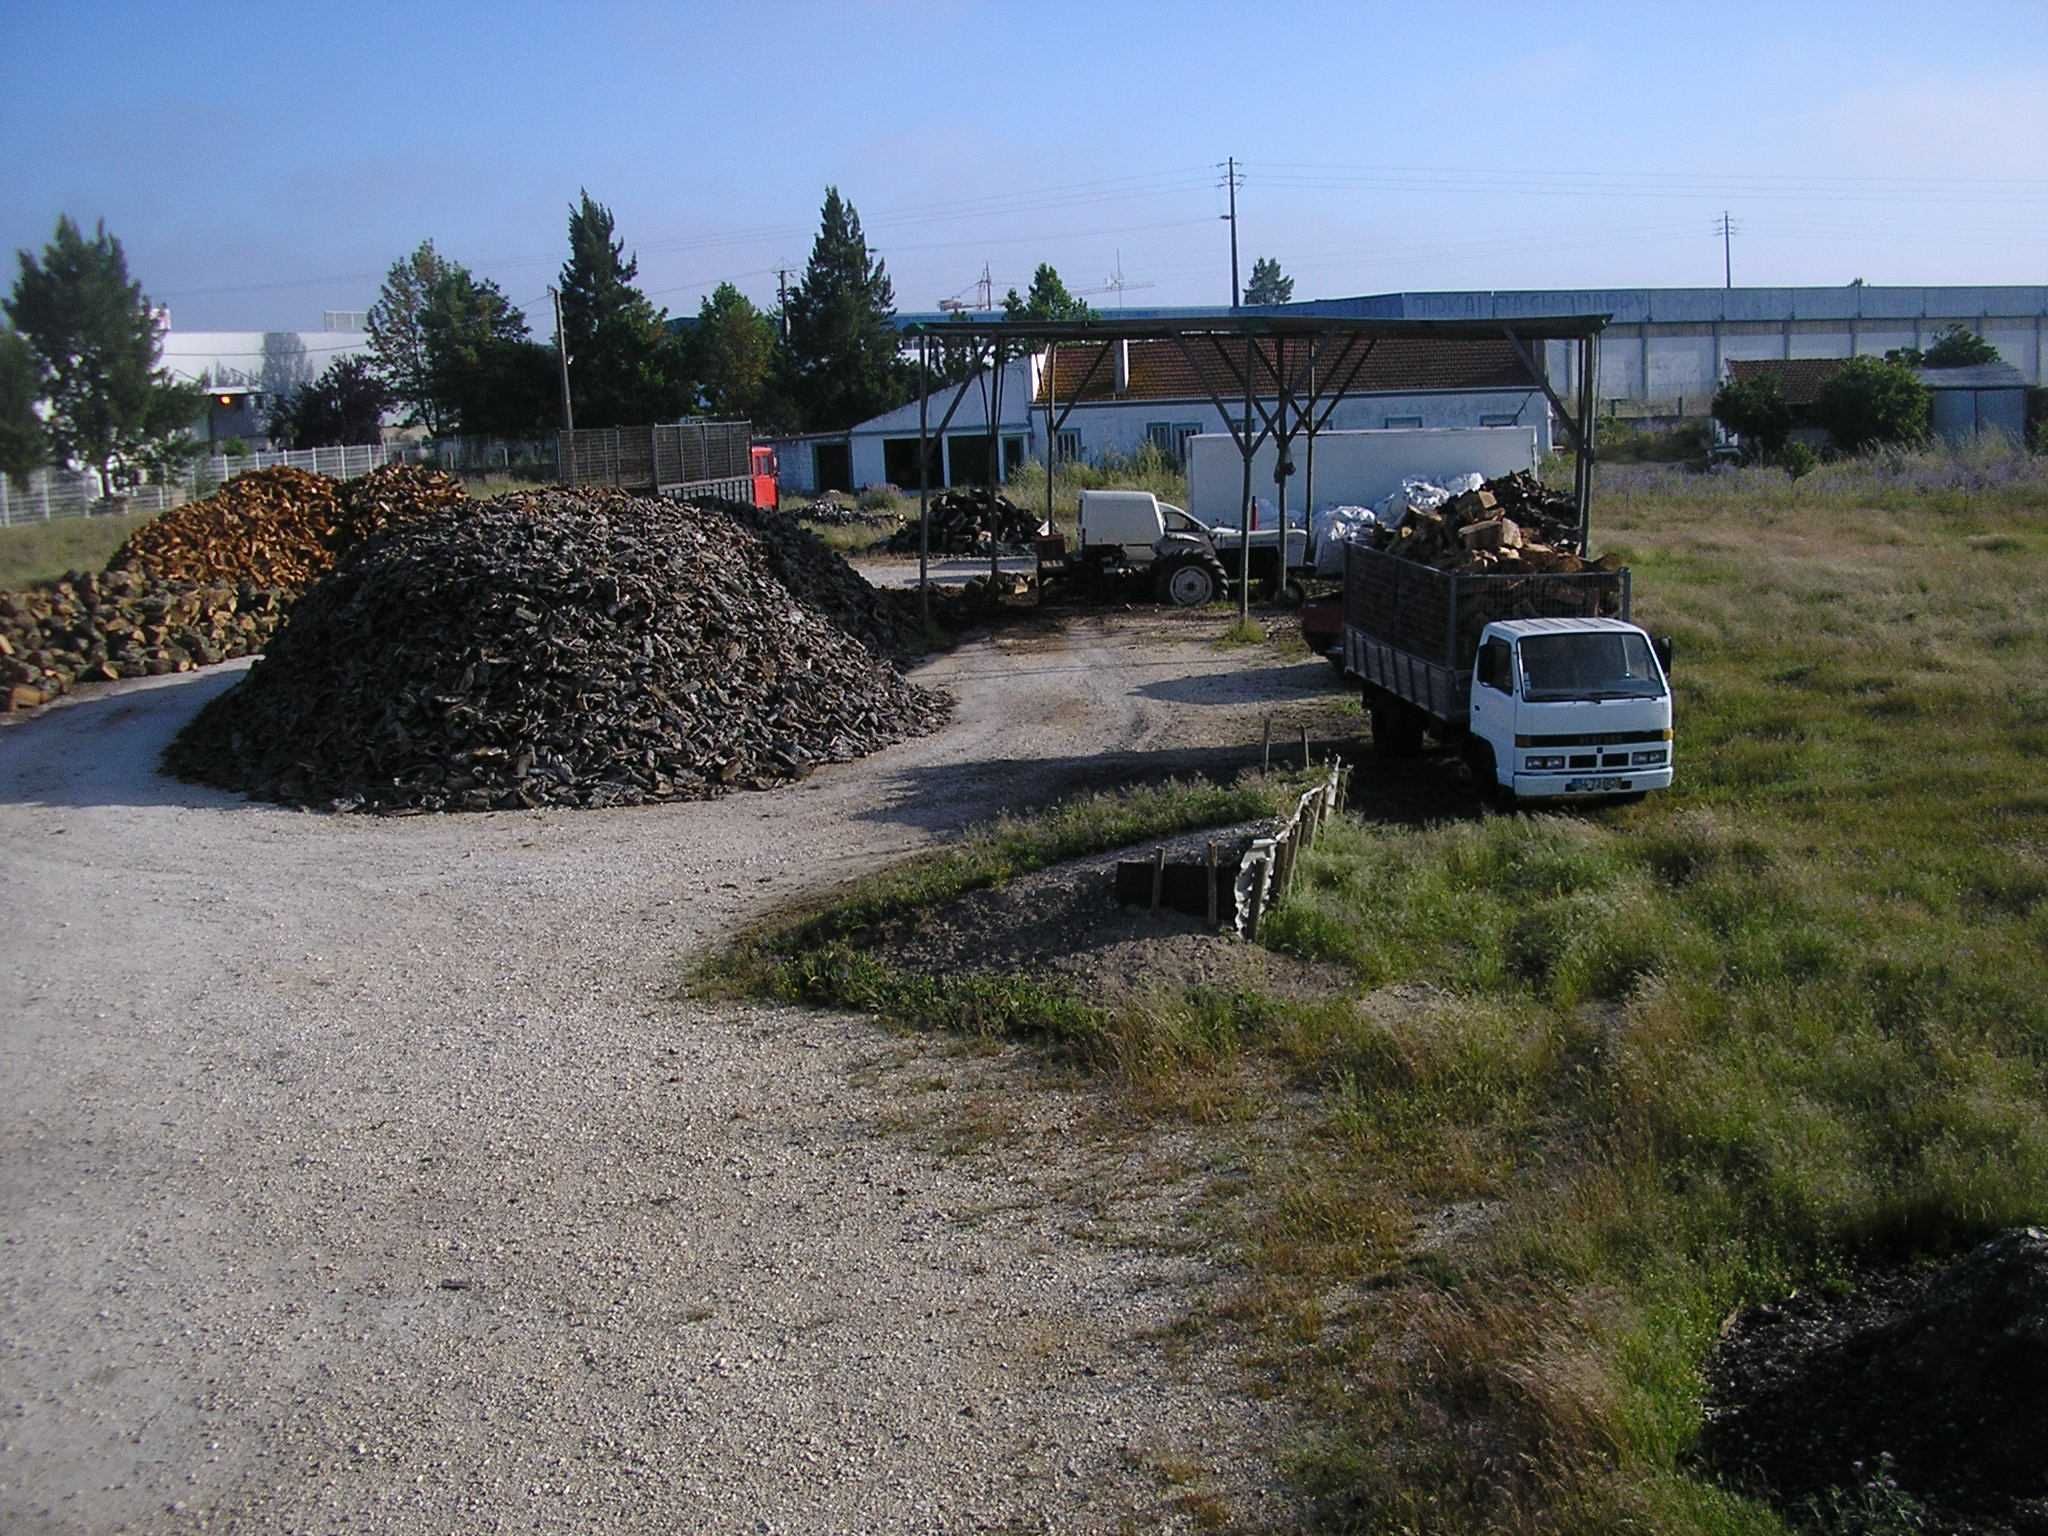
(1286, 591)
(1188, 584)
(1479, 759)
(1396, 727)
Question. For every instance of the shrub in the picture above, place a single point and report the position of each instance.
(1755, 411)
(878, 498)
(1959, 347)
(1798, 460)
(1872, 401)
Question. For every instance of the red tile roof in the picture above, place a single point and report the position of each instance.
(1393, 365)
(1800, 379)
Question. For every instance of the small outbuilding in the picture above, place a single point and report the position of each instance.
(1988, 397)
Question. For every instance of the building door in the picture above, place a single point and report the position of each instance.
(833, 464)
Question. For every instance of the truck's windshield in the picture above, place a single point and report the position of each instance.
(1610, 665)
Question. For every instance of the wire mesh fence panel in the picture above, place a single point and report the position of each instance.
(49, 494)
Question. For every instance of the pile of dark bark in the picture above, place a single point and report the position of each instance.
(1921, 1395)
(887, 623)
(1510, 525)
(98, 626)
(556, 648)
(966, 522)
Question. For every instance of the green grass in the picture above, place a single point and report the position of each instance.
(1243, 632)
(33, 552)
(1645, 1064)
(1742, 1037)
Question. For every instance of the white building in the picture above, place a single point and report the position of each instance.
(1117, 396)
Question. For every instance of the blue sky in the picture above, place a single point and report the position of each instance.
(262, 163)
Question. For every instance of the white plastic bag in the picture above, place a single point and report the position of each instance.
(1334, 528)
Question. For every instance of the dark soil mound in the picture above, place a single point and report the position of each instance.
(549, 649)
(1921, 1396)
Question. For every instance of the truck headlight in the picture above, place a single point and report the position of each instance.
(1536, 764)
(1646, 759)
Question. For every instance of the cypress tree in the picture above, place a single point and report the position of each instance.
(624, 367)
(843, 349)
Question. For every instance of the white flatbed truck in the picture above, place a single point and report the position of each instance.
(1541, 682)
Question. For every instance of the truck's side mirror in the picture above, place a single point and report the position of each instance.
(1662, 645)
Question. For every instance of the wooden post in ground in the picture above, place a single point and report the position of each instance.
(1304, 747)
(1266, 748)
(1158, 876)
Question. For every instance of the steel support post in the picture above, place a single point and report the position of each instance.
(1244, 511)
(924, 476)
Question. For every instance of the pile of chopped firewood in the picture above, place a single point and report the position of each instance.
(1512, 524)
(204, 582)
(98, 626)
(969, 522)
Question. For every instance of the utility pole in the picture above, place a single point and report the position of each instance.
(1231, 180)
(782, 300)
(1725, 229)
(562, 352)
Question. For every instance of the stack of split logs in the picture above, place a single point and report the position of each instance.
(969, 522)
(204, 582)
(1509, 525)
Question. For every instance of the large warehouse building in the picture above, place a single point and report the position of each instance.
(1666, 350)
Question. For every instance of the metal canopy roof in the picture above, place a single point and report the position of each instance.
(1107, 328)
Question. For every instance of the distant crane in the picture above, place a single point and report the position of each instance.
(1115, 283)
(984, 292)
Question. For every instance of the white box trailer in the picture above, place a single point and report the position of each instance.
(1353, 469)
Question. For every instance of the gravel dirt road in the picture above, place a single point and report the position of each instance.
(370, 1175)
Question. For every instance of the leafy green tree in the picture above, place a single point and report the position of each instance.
(397, 341)
(843, 351)
(24, 448)
(1754, 409)
(734, 345)
(94, 341)
(1268, 285)
(1047, 300)
(624, 367)
(1958, 346)
(484, 376)
(1873, 401)
(344, 406)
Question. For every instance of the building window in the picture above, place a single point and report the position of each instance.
(1068, 447)
(1171, 437)
(1497, 421)
(1403, 421)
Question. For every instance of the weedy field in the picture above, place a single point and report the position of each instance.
(1597, 1080)
(32, 552)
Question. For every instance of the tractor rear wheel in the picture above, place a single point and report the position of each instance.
(1189, 583)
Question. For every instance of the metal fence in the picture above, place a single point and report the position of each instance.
(652, 458)
(55, 493)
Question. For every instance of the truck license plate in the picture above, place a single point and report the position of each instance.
(1593, 786)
